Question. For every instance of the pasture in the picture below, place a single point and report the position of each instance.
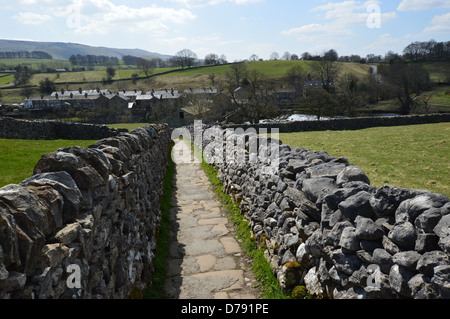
(416, 156)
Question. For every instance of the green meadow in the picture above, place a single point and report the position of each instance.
(416, 156)
(18, 157)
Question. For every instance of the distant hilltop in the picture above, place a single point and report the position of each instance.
(62, 51)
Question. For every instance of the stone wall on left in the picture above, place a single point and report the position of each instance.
(85, 224)
(51, 130)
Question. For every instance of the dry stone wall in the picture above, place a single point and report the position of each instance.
(85, 224)
(324, 226)
(356, 123)
(50, 130)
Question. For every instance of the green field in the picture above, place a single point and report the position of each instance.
(18, 157)
(416, 157)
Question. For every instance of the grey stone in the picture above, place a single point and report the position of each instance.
(398, 278)
(63, 183)
(421, 288)
(351, 174)
(315, 187)
(345, 263)
(407, 259)
(357, 205)
(404, 235)
(68, 234)
(441, 281)
(329, 169)
(382, 258)
(432, 259)
(427, 221)
(367, 229)
(349, 240)
(388, 198)
(389, 246)
(314, 244)
(410, 209)
(333, 237)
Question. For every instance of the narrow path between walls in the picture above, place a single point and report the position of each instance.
(205, 260)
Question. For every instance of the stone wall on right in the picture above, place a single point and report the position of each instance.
(324, 226)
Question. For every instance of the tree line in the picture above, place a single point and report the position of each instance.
(93, 60)
(25, 55)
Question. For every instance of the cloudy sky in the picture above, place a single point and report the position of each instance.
(236, 28)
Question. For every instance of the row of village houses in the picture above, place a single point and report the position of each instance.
(104, 98)
(138, 100)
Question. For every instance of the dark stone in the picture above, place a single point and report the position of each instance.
(352, 174)
(356, 205)
(404, 235)
(315, 187)
(367, 229)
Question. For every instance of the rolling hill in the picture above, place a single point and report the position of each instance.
(62, 50)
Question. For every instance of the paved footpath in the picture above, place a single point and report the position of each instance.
(205, 260)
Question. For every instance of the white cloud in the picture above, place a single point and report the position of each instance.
(440, 24)
(341, 20)
(204, 3)
(419, 5)
(31, 18)
(104, 17)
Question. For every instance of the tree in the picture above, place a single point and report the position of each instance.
(286, 56)
(352, 96)
(235, 75)
(185, 58)
(320, 103)
(407, 81)
(254, 98)
(306, 56)
(296, 77)
(110, 72)
(274, 56)
(331, 55)
(146, 66)
(223, 59)
(254, 58)
(47, 86)
(212, 59)
(327, 72)
(23, 75)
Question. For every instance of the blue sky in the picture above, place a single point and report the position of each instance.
(235, 28)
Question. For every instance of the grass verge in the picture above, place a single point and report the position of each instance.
(260, 267)
(163, 242)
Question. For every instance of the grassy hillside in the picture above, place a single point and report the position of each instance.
(415, 156)
(62, 51)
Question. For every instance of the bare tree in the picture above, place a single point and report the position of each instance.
(320, 103)
(274, 56)
(286, 56)
(185, 58)
(296, 76)
(351, 95)
(407, 81)
(146, 66)
(236, 73)
(254, 58)
(255, 98)
(212, 59)
(327, 72)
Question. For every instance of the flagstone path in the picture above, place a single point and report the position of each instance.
(205, 259)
